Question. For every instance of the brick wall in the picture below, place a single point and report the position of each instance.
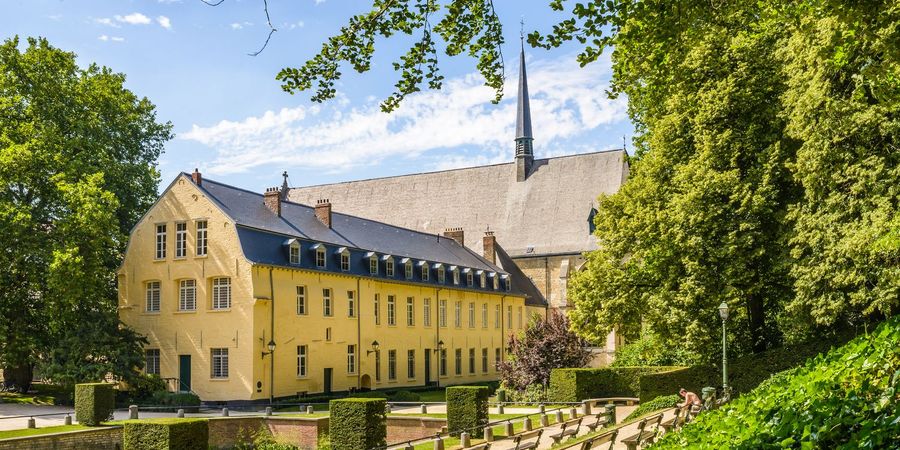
(401, 429)
(105, 438)
(302, 432)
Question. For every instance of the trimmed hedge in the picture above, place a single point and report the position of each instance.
(94, 403)
(694, 379)
(161, 434)
(658, 403)
(467, 409)
(184, 400)
(575, 385)
(357, 423)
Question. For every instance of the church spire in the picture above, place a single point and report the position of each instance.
(524, 138)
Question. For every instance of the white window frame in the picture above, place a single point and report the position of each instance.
(302, 305)
(426, 272)
(161, 238)
(351, 304)
(484, 360)
(411, 364)
(345, 261)
(218, 363)
(221, 293)
(497, 314)
(457, 317)
(294, 253)
(472, 361)
(389, 267)
(471, 314)
(327, 306)
(377, 309)
(496, 282)
(180, 240)
(509, 323)
(442, 367)
(373, 265)
(408, 270)
(426, 312)
(410, 311)
(351, 359)
(187, 295)
(483, 280)
(202, 229)
(151, 361)
(442, 313)
(470, 279)
(484, 315)
(441, 275)
(457, 359)
(321, 257)
(153, 296)
(392, 310)
(392, 364)
(302, 361)
(456, 276)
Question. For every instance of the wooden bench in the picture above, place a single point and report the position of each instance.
(602, 421)
(597, 441)
(569, 428)
(644, 434)
(523, 441)
(674, 422)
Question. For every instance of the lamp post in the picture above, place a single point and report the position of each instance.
(374, 348)
(723, 313)
(271, 347)
(439, 351)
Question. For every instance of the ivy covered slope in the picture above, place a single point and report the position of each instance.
(847, 398)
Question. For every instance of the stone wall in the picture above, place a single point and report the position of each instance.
(302, 432)
(103, 438)
(401, 429)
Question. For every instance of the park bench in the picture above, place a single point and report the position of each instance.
(674, 422)
(601, 421)
(644, 435)
(524, 442)
(596, 441)
(569, 428)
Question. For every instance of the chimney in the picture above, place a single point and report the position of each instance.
(272, 199)
(323, 212)
(490, 241)
(198, 179)
(456, 234)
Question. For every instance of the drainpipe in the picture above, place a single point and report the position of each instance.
(437, 329)
(272, 354)
(547, 277)
(358, 355)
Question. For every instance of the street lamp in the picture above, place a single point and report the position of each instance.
(271, 347)
(439, 351)
(723, 313)
(374, 348)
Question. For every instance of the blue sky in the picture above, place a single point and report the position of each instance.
(233, 121)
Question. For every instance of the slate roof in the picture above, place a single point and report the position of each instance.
(262, 233)
(547, 213)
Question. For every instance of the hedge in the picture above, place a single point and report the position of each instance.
(94, 403)
(694, 379)
(467, 409)
(357, 423)
(161, 434)
(575, 385)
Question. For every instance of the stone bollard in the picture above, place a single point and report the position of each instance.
(488, 434)
(610, 411)
(542, 408)
(443, 430)
(526, 424)
(180, 413)
(559, 416)
(31, 423)
(133, 412)
(586, 408)
(387, 408)
(509, 429)
(68, 420)
(224, 412)
(545, 421)
(310, 409)
(438, 443)
(424, 408)
(573, 413)
(500, 408)
(464, 440)
(268, 410)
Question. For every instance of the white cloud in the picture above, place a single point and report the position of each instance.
(107, 21)
(566, 102)
(106, 38)
(294, 25)
(164, 22)
(134, 19)
(240, 25)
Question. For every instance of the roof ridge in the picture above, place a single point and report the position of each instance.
(596, 152)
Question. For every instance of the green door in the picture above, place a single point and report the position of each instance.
(184, 373)
(328, 373)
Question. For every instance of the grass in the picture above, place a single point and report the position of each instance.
(499, 430)
(38, 431)
(25, 399)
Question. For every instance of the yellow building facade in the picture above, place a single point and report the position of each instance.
(245, 296)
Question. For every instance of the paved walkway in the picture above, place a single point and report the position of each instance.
(9, 410)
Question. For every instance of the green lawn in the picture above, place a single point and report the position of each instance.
(25, 399)
(499, 430)
(46, 430)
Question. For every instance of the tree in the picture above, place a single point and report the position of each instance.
(78, 158)
(543, 346)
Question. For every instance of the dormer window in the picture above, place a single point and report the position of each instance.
(388, 265)
(373, 264)
(507, 282)
(455, 271)
(293, 250)
(496, 280)
(482, 279)
(407, 268)
(345, 258)
(470, 277)
(440, 273)
(425, 271)
(320, 255)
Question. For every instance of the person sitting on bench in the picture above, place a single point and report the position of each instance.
(690, 398)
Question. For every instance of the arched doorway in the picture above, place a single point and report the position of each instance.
(365, 382)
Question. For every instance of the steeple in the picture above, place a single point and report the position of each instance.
(524, 138)
(284, 186)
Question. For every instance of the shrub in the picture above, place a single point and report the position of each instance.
(405, 396)
(160, 434)
(357, 423)
(142, 388)
(575, 385)
(844, 399)
(658, 403)
(94, 403)
(649, 350)
(532, 394)
(694, 379)
(186, 400)
(467, 409)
